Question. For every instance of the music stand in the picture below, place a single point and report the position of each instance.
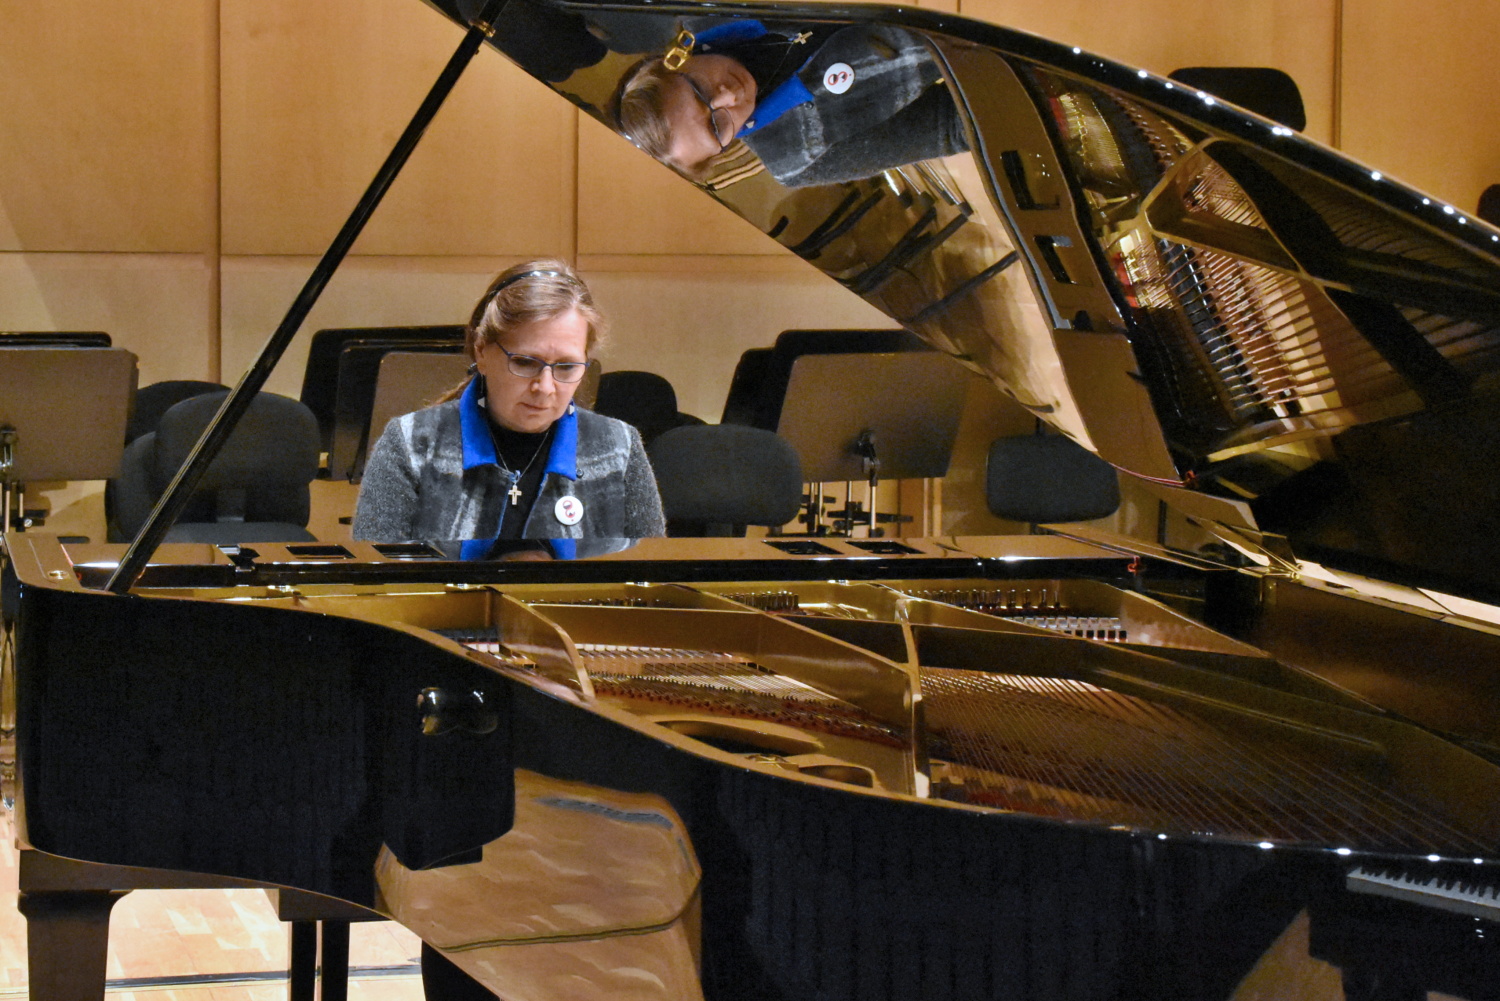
(321, 375)
(62, 417)
(358, 371)
(868, 416)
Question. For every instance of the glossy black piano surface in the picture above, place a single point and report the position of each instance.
(1064, 765)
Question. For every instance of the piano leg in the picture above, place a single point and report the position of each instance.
(67, 942)
(302, 972)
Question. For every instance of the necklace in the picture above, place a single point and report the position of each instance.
(514, 476)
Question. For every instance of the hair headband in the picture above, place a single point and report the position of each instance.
(531, 274)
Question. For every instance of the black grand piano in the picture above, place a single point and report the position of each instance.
(1062, 765)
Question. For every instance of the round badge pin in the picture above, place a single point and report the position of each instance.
(838, 78)
(569, 510)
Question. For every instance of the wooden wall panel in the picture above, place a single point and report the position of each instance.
(105, 122)
(155, 305)
(630, 204)
(1421, 93)
(366, 291)
(1296, 36)
(315, 96)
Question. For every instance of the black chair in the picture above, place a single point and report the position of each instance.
(642, 399)
(1489, 205)
(1261, 89)
(1041, 479)
(255, 490)
(717, 479)
(156, 399)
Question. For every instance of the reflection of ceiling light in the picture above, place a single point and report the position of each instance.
(1142, 74)
(1375, 175)
(1077, 51)
(1447, 209)
(1427, 201)
(1280, 130)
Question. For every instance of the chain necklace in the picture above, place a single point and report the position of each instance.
(512, 476)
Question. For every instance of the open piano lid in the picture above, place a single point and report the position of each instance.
(1288, 346)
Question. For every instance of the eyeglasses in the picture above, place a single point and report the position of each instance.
(718, 118)
(528, 367)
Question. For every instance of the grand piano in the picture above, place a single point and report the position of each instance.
(1061, 765)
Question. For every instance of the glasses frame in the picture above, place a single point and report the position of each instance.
(713, 115)
(514, 358)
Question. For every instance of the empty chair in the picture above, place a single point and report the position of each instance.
(1261, 89)
(1489, 205)
(719, 478)
(644, 400)
(255, 490)
(1048, 478)
(156, 399)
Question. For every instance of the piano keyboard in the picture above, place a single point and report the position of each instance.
(1470, 896)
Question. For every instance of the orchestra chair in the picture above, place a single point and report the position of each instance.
(643, 400)
(719, 478)
(256, 489)
(1261, 89)
(1042, 479)
(156, 399)
(1489, 205)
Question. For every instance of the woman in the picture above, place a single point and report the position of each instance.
(507, 454)
(816, 107)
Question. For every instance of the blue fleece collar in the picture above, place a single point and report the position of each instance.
(479, 447)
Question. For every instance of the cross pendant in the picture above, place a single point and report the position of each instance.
(514, 493)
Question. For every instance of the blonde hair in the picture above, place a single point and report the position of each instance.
(537, 290)
(641, 109)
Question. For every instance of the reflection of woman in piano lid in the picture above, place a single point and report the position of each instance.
(817, 108)
(507, 454)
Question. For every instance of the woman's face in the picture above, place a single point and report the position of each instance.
(711, 90)
(531, 405)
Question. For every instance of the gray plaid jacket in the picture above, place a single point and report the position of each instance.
(895, 112)
(416, 485)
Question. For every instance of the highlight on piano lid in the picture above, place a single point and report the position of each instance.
(1248, 746)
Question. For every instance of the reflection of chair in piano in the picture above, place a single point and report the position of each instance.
(1261, 89)
(1037, 479)
(256, 489)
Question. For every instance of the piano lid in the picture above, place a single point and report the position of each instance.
(1296, 350)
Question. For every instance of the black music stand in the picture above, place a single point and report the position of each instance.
(872, 416)
(354, 397)
(62, 417)
(320, 378)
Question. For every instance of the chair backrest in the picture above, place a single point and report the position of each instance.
(642, 399)
(259, 477)
(718, 478)
(156, 399)
(1039, 479)
(1261, 89)
(1489, 205)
